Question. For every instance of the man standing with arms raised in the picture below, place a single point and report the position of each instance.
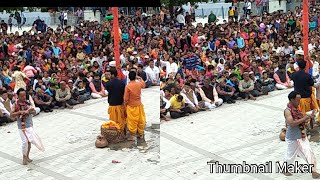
(115, 88)
(303, 83)
(136, 118)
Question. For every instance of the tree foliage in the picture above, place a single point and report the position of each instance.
(170, 3)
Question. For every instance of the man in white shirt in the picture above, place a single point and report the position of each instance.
(65, 18)
(248, 8)
(181, 20)
(286, 48)
(100, 59)
(315, 67)
(123, 58)
(5, 107)
(153, 73)
(171, 67)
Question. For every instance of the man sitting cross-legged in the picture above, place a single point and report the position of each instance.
(178, 108)
(43, 101)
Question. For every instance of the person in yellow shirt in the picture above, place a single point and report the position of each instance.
(81, 55)
(136, 118)
(178, 108)
(231, 13)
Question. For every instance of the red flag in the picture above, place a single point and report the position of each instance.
(116, 35)
(305, 20)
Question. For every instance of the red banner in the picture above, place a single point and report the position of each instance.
(116, 35)
(305, 20)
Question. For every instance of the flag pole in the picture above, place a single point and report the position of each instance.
(305, 19)
(116, 35)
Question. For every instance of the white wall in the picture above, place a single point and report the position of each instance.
(216, 8)
(274, 5)
(30, 17)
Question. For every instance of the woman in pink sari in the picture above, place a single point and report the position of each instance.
(22, 110)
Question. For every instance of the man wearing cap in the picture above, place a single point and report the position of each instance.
(120, 76)
(116, 109)
(136, 118)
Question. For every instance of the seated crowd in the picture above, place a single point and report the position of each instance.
(64, 67)
(205, 66)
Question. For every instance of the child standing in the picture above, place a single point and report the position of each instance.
(230, 14)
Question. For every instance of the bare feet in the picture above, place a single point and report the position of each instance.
(24, 161)
(287, 174)
(253, 98)
(141, 137)
(29, 160)
(315, 175)
(132, 138)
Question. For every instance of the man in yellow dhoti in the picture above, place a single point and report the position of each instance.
(303, 84)
(116, 111)
(136, 118)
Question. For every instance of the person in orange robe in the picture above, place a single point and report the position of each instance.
(136, 118)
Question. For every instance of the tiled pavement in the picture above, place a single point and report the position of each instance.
(245, 131)
(69, 136)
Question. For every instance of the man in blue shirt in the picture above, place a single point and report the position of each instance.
(56, 50)
(240, 42)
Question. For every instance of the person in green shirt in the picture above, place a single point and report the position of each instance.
(212, 17)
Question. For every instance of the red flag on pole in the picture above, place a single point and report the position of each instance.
(305, 20)
(116, 42)
(116, 35)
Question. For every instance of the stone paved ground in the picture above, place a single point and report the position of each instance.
(245, 131)
(69, 136)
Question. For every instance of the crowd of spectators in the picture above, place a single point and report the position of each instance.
(63, 67)
(206, 65)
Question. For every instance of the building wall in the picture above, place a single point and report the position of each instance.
(275, 6)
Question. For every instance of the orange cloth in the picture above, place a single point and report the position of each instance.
(136, 119)
(308, 104)
(132, 93)
(117, 114)
(305, 105)
(110, 125)
(314, 100)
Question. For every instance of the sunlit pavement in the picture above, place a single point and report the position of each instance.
(69, 137)
(245, 131)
